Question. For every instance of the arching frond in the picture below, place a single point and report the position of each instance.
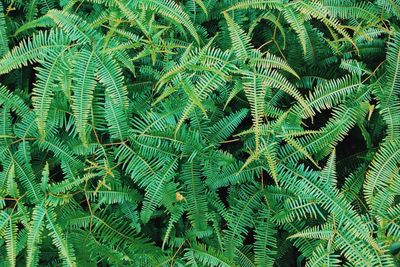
(3, 33)
(83, 91)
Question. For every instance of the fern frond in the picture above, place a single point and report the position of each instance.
(206, 84)
(392, 120)
(24, 172)
(199, 253)
(84, 77)
(3, 33)
(241, 43)
(110, 75)
(64, 247)
(265, 244)
(196, 196)
(116, 118)
(60, 150)
(241, 215)
(383, 167)
(317, 10)
(10, 237)
(259, 4)
(33, 50)
(116, 194)
(13, 101)
(272, 78)
(342, 9)
(297, 21)
(155, 190)
(331, 93)
(268, 60)
(31, 10)
(49, 74)
(255, 93)
(34, 237)
(75, 27)
(393, 69)
(170, 9)
(225, 127)
(323, 256)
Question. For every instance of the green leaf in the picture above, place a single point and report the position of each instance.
(83, 89)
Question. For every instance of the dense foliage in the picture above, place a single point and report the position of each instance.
(199, 132)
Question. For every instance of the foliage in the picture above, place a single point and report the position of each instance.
(199, 132)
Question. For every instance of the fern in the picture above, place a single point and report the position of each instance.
(199, 254)
(171, 10)
(65, 249)
(34, 238)
(33, 50)
(83, 92)
(383, 168)
(50, 74)
(240, 41)
(3, 33)
(199, 132)
(261, 4)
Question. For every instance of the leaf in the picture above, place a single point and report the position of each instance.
(259, 4)
(10, 237)
(170, 9)
(34, 236)
(49, 74)
(33, 50)
(241, 44)
(196, 197)
(3, 33)
(64, 248)
(84, 77)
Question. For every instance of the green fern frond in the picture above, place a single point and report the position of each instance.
(75, 27)
(13, 101)
(297, 21)
(265, 244)
(319, 11)
(241, 44)
(51, 72)
(34, 237)
(116, 120)
(3, 33)
(241, 215)
(24, 172)
(110, 75)
(331, 93)
(196, 196)
(171, 10)
(259, 4)
(83, 91)
(33, 50)
(200, 254)
(255, 93)
(64, 248)
(225, 127)
(272, 78)
(323, 256)
(342, 9)
(10, 237)
(154, 190)
(393, 72)
(267, 61)
(383, 167)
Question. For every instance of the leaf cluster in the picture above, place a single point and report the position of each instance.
(199, 132)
